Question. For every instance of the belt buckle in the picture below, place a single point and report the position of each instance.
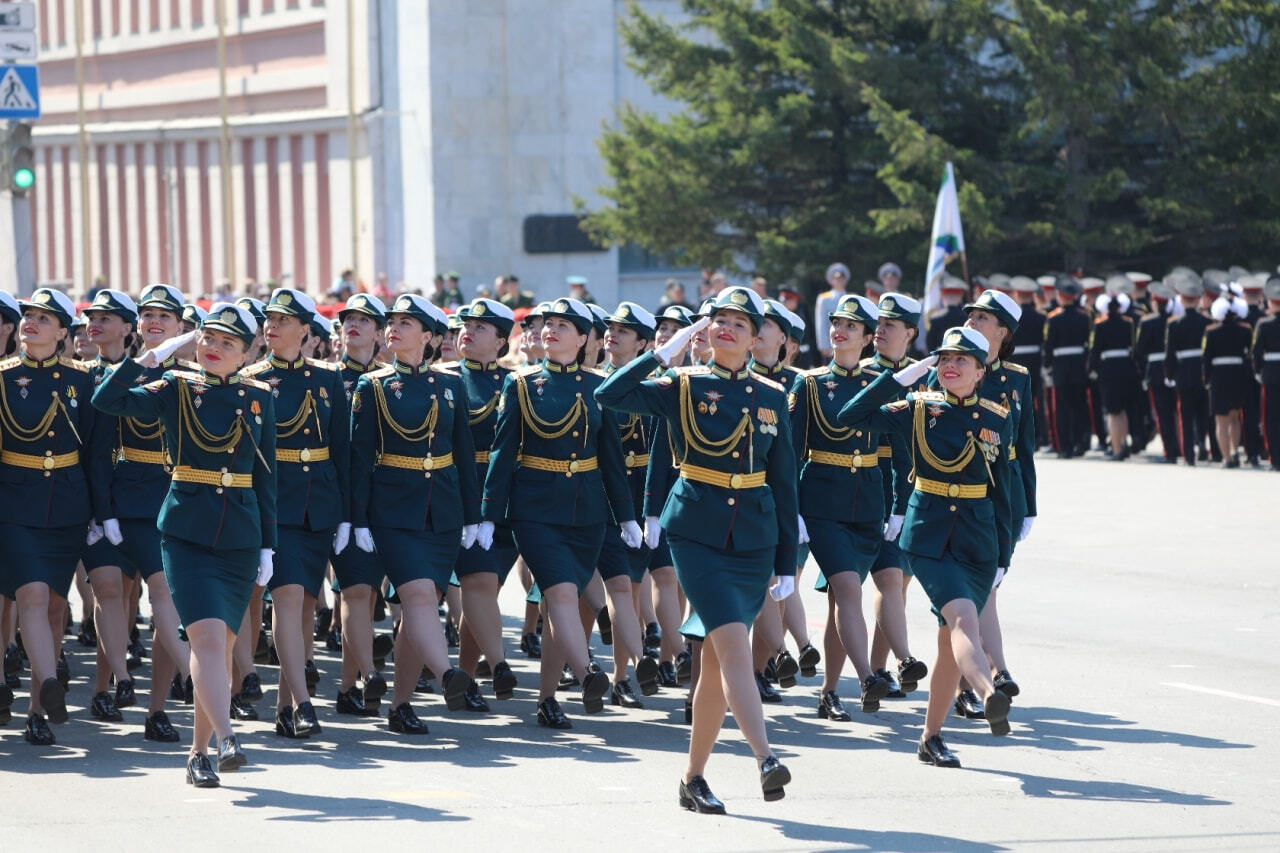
(953, 490)
(48, 463)
(305, 454)
(573, 466)
(428, 464)
(228, 478)
(735, 481)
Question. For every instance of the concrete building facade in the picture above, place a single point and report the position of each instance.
(475, 128)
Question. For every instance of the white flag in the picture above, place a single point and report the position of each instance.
(946, 241)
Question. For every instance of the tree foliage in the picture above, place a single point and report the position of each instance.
(1098, 133)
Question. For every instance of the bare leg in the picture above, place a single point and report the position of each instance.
(846, 590)
(482, 620)
(732, 655)
(709, 706)
(286, 628)
(992, 636)
(211, 642)
(357, 634)
(421, 625)
(33, 620)
(666, 593)
(628, 642)
(561, 602)
(793, 615)
(944, 680)
(644, 600)
(833, 653)
(166, 618)
(766, 634)
(891, 617)
(109, 617)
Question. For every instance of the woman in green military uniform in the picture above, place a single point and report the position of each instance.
(841, 494)
(414, 493)
(731, 518)
(312, 440)
(552, 460)
(218, 521)
(957, 518)
(55, 467)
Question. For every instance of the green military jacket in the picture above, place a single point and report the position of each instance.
(959, 448)
(220, 430)
(733, 424)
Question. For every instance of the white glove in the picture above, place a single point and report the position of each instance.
(484, 534)
(893, 527)
(364, 539)
(469, 533)
(94, 534)
(1169, 383)
(341, 537)
(913, 373)
(264, 566)
(1026, 527)
(631, 534)
(111, 530)
(672, 348)
(153, 357)
(782, 587)
(803, 538)
(652, 531)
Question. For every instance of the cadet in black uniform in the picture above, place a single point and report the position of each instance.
(1183, 363)
(56, 465)
(1266, 366)
(958, 515)
(218, 521)
(1028, 343)
(313, 506)
(1149, 354)
(731, 519)
(1226, 371)
(950, 315)
(1066, 336)
(414, 493)
(1111, 360)
(486, 326)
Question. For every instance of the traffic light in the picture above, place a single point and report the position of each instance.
(20, 159)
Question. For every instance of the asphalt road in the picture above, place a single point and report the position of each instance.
(1142, 621)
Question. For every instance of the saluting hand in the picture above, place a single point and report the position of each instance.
(154, 357)
(912, 373)
(672, 348)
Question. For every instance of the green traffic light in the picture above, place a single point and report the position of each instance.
(23, 179)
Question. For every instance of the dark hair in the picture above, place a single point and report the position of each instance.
(582, 354)
(11, 345)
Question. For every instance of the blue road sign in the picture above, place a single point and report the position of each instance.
(19, 91)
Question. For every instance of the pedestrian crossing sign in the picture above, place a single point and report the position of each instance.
(19, 91)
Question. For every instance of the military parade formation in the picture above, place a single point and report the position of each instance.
(659, 481)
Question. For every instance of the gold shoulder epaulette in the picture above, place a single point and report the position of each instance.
(11, 362)
(869, 361)
(691, 370)
(380, 372)
(595, 371)
(992, 406)
(1016, 368)
(930, 396)
(814, 371)
(73, 364)
(187, 374)
(528, 370)
(255, 368)
(324, 365)
(772, 383)
(449, 368)
(188, 365)
(255, 383)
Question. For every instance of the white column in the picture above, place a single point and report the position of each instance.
(151, 242)
(261, 209)
(241, 215)
(217, 242)
(190, 176)
(95, 219)
(285, 225)
(114, 274)
(311, 218)
(340, 210)
(137, 238)
(162, 23)
(50, 200)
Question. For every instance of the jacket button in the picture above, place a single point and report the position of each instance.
(952, 507)
(306, 468)
(730, 501)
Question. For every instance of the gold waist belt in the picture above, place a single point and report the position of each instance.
(845, 460)
(559, 466)
(637, 460)
(186, 474)
(885, 451)
(40, 463)
(146, 457)
(482, 457)
(950, 490)
(1013, 453)
(712, 477)
(416, 463)
(306, 454)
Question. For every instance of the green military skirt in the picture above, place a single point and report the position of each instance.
(617, 560)
(301, 557)
(839, 547)
(208, 583)
(410, 555)
(947, 578)
(722, 586)
(497, 560)
(354, 567)
(141, 547)
(46, 555)
(559, 553)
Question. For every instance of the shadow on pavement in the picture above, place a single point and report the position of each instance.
(1099, 790)
(1067, 729)
(851, 838)
(313, 809)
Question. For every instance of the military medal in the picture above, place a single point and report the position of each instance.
(448, 395)
(934, 411)
(274, 382)
(395, 385)
(768, 419)
(831, 388)
(539, 382)
(23, 382)
(989, 443)
(256, 408)
(713, 397)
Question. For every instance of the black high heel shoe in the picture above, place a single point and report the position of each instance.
(696, 796)
(773, 775)
(200, 772)
(230, 755)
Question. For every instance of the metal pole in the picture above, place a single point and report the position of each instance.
(86, 246)
(224, 153)
(351, 138)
